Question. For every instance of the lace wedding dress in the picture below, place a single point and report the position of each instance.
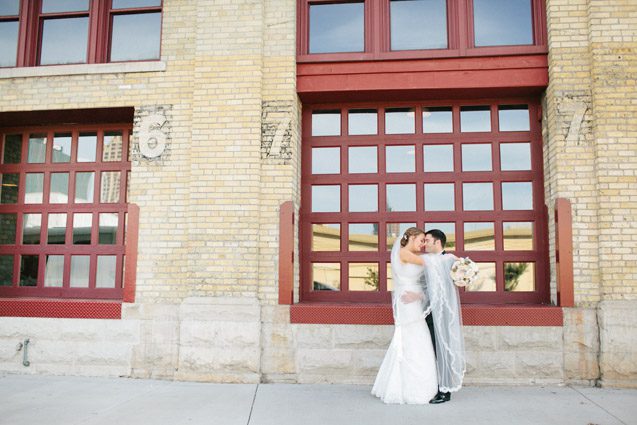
(408, 371)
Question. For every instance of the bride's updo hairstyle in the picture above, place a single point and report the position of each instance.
(412, 231)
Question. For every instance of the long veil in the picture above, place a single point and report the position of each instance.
(399, 275)
(444, 303)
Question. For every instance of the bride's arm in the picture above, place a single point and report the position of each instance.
(407, 256)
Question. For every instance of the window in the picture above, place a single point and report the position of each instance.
(386, 29)
(52, 32)
(472, 170)
(63, 211)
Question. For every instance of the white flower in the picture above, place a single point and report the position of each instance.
(464, 272)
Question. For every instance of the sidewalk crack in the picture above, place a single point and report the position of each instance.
(596, 404)
(254, 398)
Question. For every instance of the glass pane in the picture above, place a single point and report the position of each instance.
(363, 277)
(9, 188)
(400, 159)
(439, 197)
(390, 279)
(400, 121)
(326, 198)
(326, 160)
(362, 160)
(475, 119)
(486, 279)
(34, 188)
(517, 196)
(401, 197)
(479, 237)
(80, 266)
(502, 22)
(449, 229)
(9, 7)
(62, 147)
(477, 196)
(519, 277)
(87, 147)
(326, 237)
(418, 24)
(476, 157)
(518, 236)
(50, 6)
(7, 228)
(54, 273)
(84, 187)
(438, 158)
(110, 187)
(396, 230)
(362, 121)
(57, 229)
(105, 277)
(437, 120)
(29, 270)
(125, 4)
(514, 118)
(12, 151)
(31, 227)
(108, 228)
(8, 43)
(82, 224)
(363, 237)
(337, 27)
(363, 198)
(326, 276)
(144, 28)
(6, 270)
(326, 123)
(59, 188)
(37, 148)
(64, 41)
(112, 146)
(515, 156)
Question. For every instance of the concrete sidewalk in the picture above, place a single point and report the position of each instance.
(52, 400)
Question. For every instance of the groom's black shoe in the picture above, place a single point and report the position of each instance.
(440, 398)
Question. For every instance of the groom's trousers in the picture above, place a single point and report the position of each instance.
(430, 325)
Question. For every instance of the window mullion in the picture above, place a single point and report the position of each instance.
(28, 33)
(98, 34)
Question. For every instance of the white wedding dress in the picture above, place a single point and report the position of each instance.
(408, 371)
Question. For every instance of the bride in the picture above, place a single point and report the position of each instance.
(408, 371)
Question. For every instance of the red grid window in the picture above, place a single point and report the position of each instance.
(51, 32)
(392, 29)
(63, 211)
(473, 170)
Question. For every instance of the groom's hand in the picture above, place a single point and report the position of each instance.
(409, 297)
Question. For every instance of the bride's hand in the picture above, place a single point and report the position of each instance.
(409, 297)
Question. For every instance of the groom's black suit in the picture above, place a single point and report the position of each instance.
(430, 323)
(440, 397)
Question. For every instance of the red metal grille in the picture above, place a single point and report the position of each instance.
(60, 309)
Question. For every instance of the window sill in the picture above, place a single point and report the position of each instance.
(60, 309)
(82, 69)
(381, 314)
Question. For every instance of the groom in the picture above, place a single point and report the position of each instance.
(449, 332)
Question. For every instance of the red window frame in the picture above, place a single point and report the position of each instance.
(377, 34)
(68, 249)
(100, 26)
(538, 214)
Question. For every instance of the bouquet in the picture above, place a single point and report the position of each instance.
(464, 272)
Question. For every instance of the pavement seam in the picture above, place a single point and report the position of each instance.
(254, 398)
(596, 404)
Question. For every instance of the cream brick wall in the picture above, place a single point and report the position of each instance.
(207, 267)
